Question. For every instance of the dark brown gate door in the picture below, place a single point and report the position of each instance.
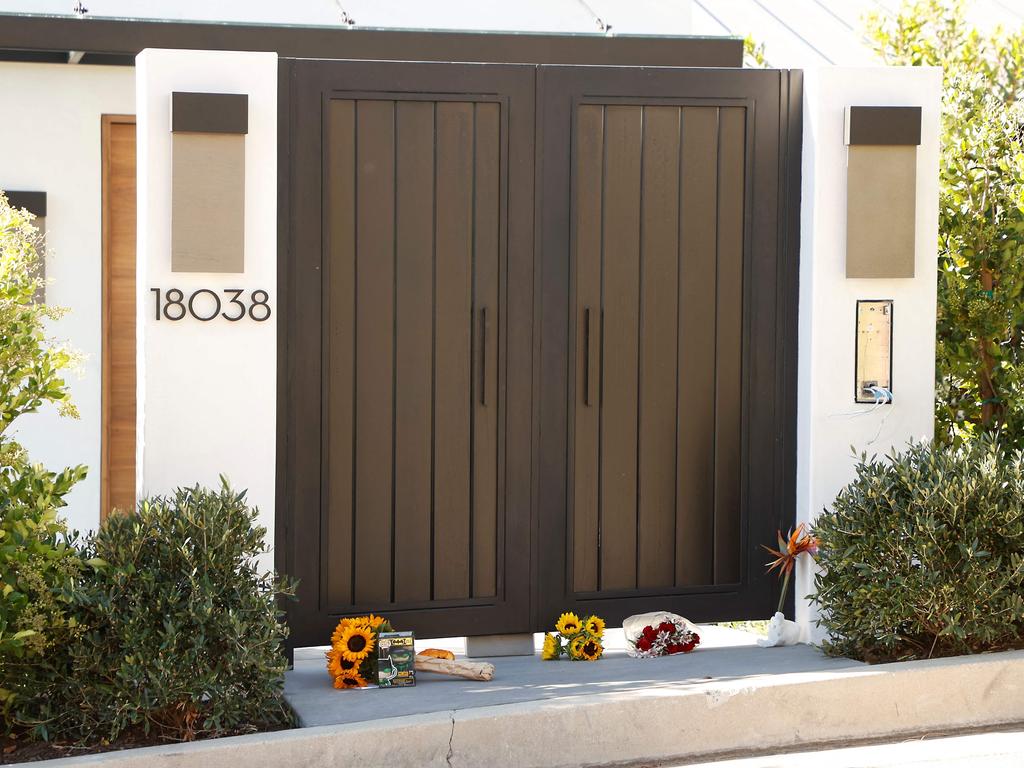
(662, 461)
(411, 258)
(468, 456)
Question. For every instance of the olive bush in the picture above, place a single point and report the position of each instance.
(183, 634)
(922, 555)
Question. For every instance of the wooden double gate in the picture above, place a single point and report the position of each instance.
(538, 347)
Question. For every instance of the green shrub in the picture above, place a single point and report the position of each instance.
(160, 622)
(923, 555)
(39, 572)
(39, 567)
(183, 637)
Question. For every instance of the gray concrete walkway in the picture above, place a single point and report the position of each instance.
(992, 749)
(622, 711)
(725, 655)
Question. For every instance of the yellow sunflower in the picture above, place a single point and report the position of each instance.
(591, 649)
(349, 680)
(576, 646)
(374, 622)
(552, 648)
(340, 630)
(568, 624)
(594, 625)
(585, 647)
(338, 665)
(356, 642)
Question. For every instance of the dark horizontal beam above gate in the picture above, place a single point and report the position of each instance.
(118, 41)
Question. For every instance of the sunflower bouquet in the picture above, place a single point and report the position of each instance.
(576, 639)
(352, 661)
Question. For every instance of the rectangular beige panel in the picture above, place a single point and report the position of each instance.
(880, 210)
(208, 202)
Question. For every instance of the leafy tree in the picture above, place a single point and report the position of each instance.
(39, 566)
(30, 363)
(753, 53)
(980, 327)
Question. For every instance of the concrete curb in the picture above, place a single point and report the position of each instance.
(406, 741)
(766, 713)
(656, 724)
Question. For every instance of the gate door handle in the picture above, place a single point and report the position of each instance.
(587, 399)
(483, 356)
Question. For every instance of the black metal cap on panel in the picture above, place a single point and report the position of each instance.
(209, 112)
(35, 202)
(883, 125)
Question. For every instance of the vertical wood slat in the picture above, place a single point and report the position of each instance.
(339, 311)
(454, 185)
(621, 236)
(656, 494)
(375, 179)
(486, 185)
(414, 234)
(119, 289)
(696, 359)
(729, 340)
(587, 274)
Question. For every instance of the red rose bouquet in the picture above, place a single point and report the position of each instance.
(664, 639)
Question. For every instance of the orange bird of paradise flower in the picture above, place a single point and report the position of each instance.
(798, 542)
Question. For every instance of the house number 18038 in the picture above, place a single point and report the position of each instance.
(205, 304)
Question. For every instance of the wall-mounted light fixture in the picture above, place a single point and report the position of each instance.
(208, 181)
(34, 203)
(881, 190)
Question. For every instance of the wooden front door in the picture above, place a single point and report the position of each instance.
(117, 484)
(412, 257)
(661, 451)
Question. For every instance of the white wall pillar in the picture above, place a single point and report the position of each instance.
(828, 421)
(207, 390)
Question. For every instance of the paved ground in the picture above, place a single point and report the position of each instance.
(724, 654)
(727, 698)
(999, 749)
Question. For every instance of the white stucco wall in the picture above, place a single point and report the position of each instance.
(826, 430)
(207, 390)
(50, 142)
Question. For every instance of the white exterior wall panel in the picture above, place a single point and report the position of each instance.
(50, 142)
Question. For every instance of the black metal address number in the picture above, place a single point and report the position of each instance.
(173, 306)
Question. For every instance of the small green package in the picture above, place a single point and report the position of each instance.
(396, 659)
